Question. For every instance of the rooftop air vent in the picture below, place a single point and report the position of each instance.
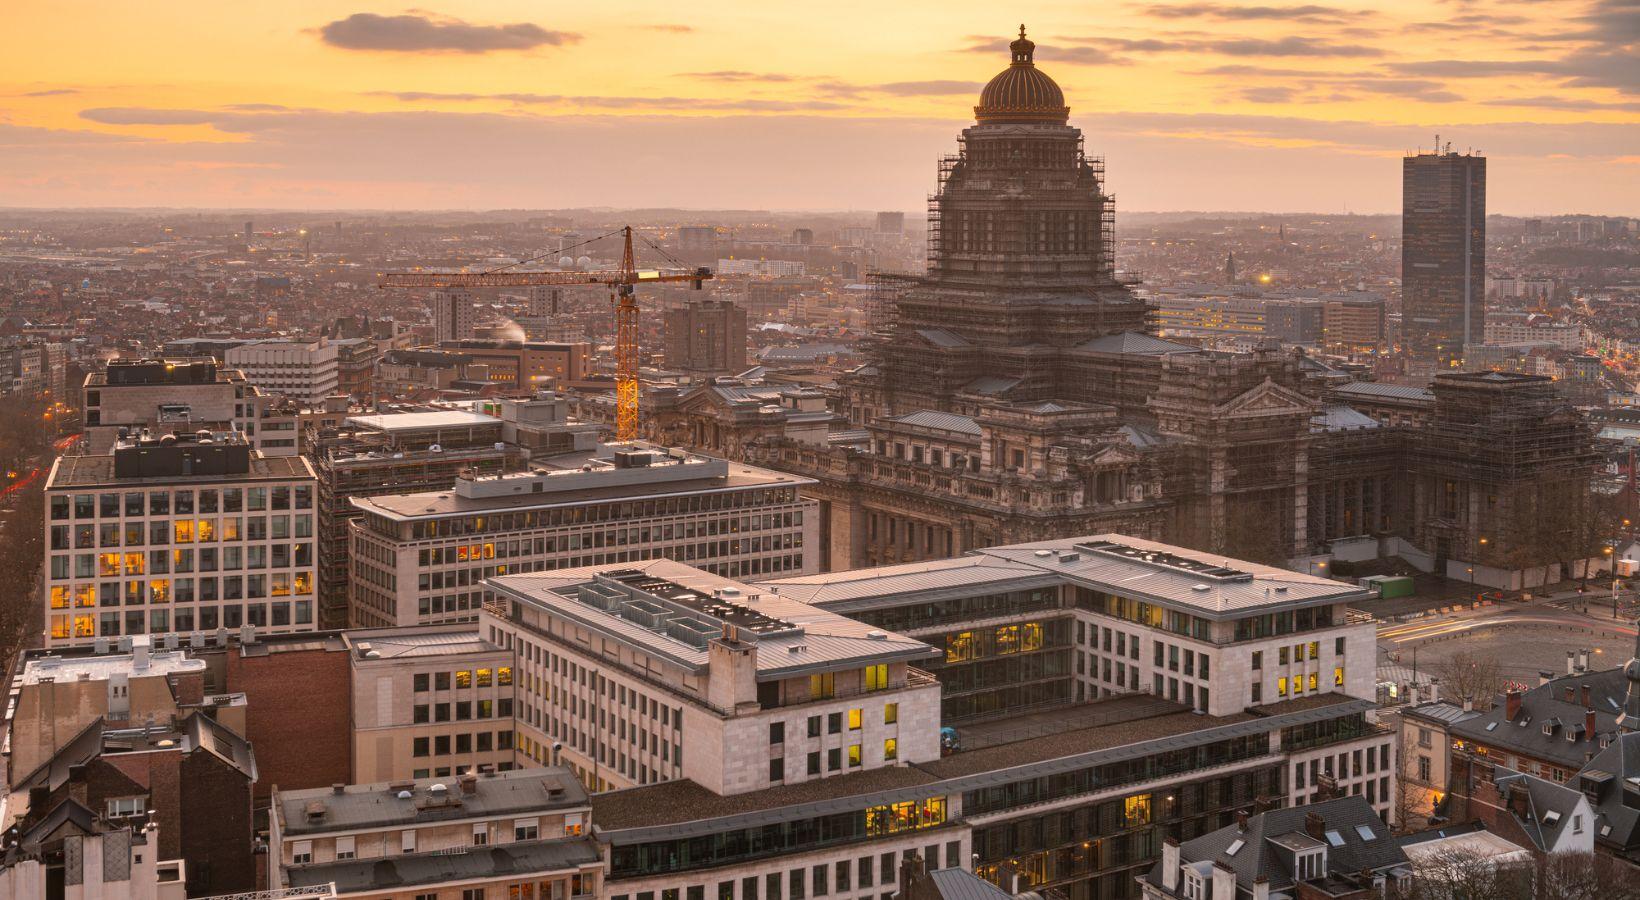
(1201, 588)
(438, 788)
(877, 635)
(1044, 553)
(404, 795)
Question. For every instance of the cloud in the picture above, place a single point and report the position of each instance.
(257, 107)
(1613, 69)
(1308, 12)
(1271, 94)
(411, 32)
(1566, 103)
(137, 115)
(618, 102)
(52, 92)
(1078, 56)
(738, 77)
(671, 28)
(1288, 46)
(929, 88)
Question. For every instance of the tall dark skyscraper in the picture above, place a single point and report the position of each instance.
(1443, 253)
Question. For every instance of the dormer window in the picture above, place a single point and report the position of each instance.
(1194, 886)
(1312, 863)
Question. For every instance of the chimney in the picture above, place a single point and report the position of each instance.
(1224, 882)
(1571, 694)
(1588, 696)
(1170, 864)
(1583, 660)
(1571, 662)
(1261, 888)
(1241, 820)
(1511, 705)
(338, 788)
(469, 783)
(1545, 677)
(1315, 826)
(1588, 723)
(139, 655)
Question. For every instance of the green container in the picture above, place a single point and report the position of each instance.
(1394, 586)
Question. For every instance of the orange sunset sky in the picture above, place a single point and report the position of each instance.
(778, 105)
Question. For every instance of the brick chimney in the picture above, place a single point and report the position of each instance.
(469, 783)
(1315, 826)
(1588, 724)
(1241, 820)
(1588, 696)
(1511, 705)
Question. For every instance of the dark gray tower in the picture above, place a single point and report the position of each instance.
(1443, 253)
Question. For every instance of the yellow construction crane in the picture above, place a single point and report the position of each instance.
(621, 283)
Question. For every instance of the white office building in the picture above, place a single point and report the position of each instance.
(301, 370)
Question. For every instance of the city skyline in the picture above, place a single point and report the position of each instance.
(1196, 106)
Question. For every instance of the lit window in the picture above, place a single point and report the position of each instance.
(1281, 686)
(1136, 810)
(855, 716)
(891, 713)
(1338, 676)
(891, 749)
(822, 686)
(876, 677)
(854, 756)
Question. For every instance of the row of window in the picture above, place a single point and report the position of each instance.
(821, 880)
(62, 626)
(422, 682)
(161, 532)
(181, 561)
(180, 502)
(476, 742)
(141, 592)
(689, 506)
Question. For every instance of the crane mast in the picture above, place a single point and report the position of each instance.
(622, 284)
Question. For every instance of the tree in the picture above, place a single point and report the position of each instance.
(22, 550)
(1468, 875)
(1471, 677)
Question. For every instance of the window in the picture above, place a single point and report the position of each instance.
(891, 713)
(472, 894)
(1258, 659)
(876, 677)
(822, 686)
(301, 853)
(777, 732)
(345, 848)
(127, 806)
(814, 762)
(1136, 810)
(1338, 676)
(854, 756)
(407, 841)
(855, 718)
(814, 726)
(777, 769)
(526, 829)
(891, 749)
(820, 888)
(834, 723)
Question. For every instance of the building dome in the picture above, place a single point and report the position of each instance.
(1022, 92)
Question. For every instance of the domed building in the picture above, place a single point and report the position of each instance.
(1021, 236)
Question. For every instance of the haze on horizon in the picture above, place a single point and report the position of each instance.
(1266, 106)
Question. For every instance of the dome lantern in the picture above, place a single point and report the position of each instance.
(1022, 93)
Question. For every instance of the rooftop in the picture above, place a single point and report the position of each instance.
(413, 643)
(104, 666)
(674, 610)
(478, 863)
(418, 421)
(391, 804)
(597, 481)
(1380, 391)
(1201, 583)
(95, 471)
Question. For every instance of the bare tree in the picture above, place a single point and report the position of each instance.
(22, 549)
(1468, 875)
(1470, 676)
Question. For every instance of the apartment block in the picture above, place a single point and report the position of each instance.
(521, 834)
(163, 395)
(178, 533)
(659, 671)
(422, 558)
(429, 702)
(306, 371)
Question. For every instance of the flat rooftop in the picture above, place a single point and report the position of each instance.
(413, 643)
(1205, 584)
(98, 471)
(421, 421)
(1120, 727)
(103, 667)
(388, 804)
(441, 504)
(673, 610)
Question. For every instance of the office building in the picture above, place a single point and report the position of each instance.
(707, 337)
(1354, 323)
(761, 267)
(452, 314)
(304, 371)
(164, 394)
(178, 533)
(526, 365)
(422, 558)
(429, 702)
(1443, 253)
(523, 835)
(732, 687)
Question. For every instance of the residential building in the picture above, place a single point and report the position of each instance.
(429, 702)
(1426, 753)
(706, 336)
(305, 371)
(1564, 335)
(1443, 253)
(521, 834)
(193, 780)
(1335, 849)
(1549, 730)
(1546, 817)
(178, 534)
(422, 558)
(1354, 322)
(73, 854)
(452, 314)
(731, 687)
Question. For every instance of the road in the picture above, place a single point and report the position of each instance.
(34, 474)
